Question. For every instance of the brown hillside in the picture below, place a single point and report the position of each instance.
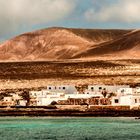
(63, 43)
(125, 47)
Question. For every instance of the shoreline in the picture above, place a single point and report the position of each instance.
(70, 113)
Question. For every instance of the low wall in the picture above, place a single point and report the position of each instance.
(68, 110)
(108, 107)
(71, 113)
(90, 101)
(72, 107)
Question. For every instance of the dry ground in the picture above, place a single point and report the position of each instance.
(40, 74)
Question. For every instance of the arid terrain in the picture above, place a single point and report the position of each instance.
(70, 56)
(40, 74)
(66, 43)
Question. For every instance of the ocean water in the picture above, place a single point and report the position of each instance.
(67, 128)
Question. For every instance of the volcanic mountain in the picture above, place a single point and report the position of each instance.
(67, 43)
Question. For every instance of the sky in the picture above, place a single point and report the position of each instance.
(20, 16)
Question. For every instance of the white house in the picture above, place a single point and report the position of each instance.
(35, 93)
(68, 89)
(124, 94)
(94, 93)
(127, 96)
(22, 102)
(45, 97)
(137, 90)
(8, 99)
(50, 96)
(12, 97)
(131, 100)
(109, 88)
(82, 96)
(125, 91)
(15, 96)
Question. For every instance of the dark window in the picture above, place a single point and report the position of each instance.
(116, 101)
(135, 100)
(100, 87)
(59, 87)
(92, 88)
(122, 91)
(49, 87)
(64, 88)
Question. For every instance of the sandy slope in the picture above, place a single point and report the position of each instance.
(62, 43)
(125, 47)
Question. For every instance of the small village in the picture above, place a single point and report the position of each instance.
(90, 95)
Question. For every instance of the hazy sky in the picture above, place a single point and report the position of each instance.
(19, 16)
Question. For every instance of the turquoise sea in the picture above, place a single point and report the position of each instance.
(67, 128)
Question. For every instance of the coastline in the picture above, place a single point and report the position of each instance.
(69, 113)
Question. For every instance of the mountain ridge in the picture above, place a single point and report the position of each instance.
(57, 43)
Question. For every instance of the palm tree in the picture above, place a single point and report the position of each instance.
(104, 92)
(107, 95)
(26, 96)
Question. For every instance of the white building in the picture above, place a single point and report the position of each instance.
(15, 96)
(35, 93)
(137, 90)
(130, 100)
(8, 99)
(124, 94)
(45, 97)
(68, 89)
(77, 96)
(11, 97)
(125, 91)
(49, 99)
(127, 96)
(22, 102)
(109, 88)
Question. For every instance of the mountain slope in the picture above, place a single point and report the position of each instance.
(125, 47)
(66, 43)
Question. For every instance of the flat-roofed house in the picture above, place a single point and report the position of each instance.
(68, 89)
(83, 95)
(125, 91)
(49, 98)
(35, 93)
(22, 102)
(131, 100)
(126, 96)
(8, 101)
(45, 96)
(108, 88)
